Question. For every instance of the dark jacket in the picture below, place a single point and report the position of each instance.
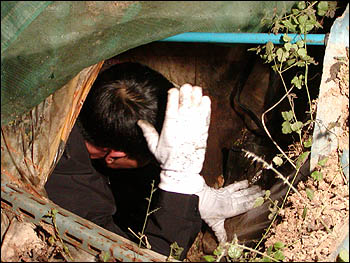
(77, 186)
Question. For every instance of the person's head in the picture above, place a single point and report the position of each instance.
(120, 96)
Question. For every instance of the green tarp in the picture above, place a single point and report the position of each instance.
(46, 44)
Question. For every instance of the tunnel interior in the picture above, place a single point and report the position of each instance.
(241, 87)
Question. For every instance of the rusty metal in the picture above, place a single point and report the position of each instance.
(73, 229)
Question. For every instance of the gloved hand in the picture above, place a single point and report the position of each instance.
(215, 205)
(180, 148)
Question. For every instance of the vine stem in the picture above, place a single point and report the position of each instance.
(306, 86)
(290, 101)
(267, 131)
(147, 213)
(279, 209)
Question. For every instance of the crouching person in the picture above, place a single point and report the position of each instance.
(131, 116)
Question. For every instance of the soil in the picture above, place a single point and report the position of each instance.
(315, 236)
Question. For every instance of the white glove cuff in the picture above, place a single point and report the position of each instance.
(181, 183)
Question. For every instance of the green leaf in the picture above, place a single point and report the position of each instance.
(308, 143)
(290, 62)
(277, 160)
(275, 68)
(278, 255)
(302, 158)
(278, 245)
(343, 255)
(209, 258)
(309, 27)
(323, 162)
(322, 8)
(265, 259)
(295, 47)
(286, 129)
(295, 20)
(302, 19)
(289, 25)
(287, 46)
(218, 251)
(301, 63)
(295, 11)
(267, 193)
(281, 55)
(302, 52)
(309, 193)
(176, 250)
(269, 47)
(287, 115)
(252, 49)
(259, 201)
(269, 250)
(300, 43)
(296, 126)
(297, 82)
(286, 38)
(234, 252)
(301, 5)
(304, 212)
(270, 57)
(317, 176)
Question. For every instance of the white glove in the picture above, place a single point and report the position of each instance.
(215, 205)
(180, 149)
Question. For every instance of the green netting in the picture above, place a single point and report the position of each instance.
(45, 44)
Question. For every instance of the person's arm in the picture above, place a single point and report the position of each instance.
(180, 150)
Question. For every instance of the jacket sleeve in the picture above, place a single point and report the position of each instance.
(177, 219)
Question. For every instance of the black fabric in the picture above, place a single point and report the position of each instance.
(77, 186)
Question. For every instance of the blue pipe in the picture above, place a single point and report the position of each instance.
(245, 38)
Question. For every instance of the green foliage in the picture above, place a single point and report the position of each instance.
(141, 236)
(234, 252)
(175, 251)
(308, 143)
(322, 8)
(275, 251)
(301, 159)
(323, 162)
(317, 176)
(290, 53)
(209, 258)
(304, 212)
(309, 193)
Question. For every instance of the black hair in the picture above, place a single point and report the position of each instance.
(120, 96)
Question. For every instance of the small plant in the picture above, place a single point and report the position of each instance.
(175, 251)
(141, 236)
(56, 240)
(234, 252)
